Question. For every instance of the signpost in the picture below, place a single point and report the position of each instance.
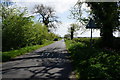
(91, 25)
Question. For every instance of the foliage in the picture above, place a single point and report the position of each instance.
(108, 21)
(6, 56)
(92, 63)
(106, 16)
(67, 36)
(74, 27)
(19, 31)
(12, 27)
(46, 15)
(97, 42)
(78, 13)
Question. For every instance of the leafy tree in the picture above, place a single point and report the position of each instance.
(20, 31)
(46, 15)
(12, 27)
(106, 16)
(67, 36)
(73, 29)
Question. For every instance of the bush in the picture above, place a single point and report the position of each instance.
(94, 62)
(19, 31)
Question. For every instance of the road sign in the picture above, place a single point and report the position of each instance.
(91, 24)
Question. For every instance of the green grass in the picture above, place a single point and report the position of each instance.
(93, 62)
(6, 56)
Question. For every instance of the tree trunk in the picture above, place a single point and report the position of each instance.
(107, 36)
(71, 35)
(72, 32)
(46, 24)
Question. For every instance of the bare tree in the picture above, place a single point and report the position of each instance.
(46, 15)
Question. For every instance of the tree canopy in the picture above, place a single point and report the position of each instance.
(46, 15)
(73, 28)
(106, 16)
(19, 30)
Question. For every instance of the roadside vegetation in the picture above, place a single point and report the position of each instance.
(102, 58)
(21, 34)
(6, 56)
(96, 61)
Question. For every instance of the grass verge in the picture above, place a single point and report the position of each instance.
(92, 63)
(6, 56)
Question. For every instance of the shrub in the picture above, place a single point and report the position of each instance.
(94, 62)
(19, 31)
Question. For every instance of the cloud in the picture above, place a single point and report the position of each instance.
(60, 5)
(63, 28)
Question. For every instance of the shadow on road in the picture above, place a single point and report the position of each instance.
(52, 63)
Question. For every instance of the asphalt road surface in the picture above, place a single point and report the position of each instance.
(49, 62)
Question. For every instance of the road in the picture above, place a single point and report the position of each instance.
(49, 62)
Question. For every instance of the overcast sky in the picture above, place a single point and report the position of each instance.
(62, 8)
